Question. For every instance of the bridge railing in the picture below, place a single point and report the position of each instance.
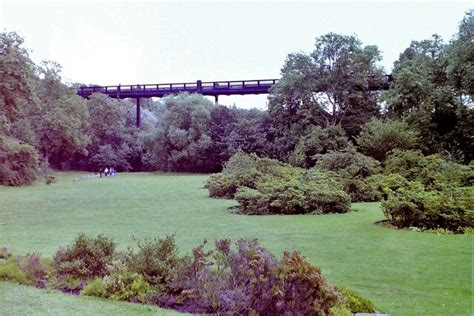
(185, 86)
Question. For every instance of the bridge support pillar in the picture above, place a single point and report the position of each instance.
(138, 113)
(217, 99)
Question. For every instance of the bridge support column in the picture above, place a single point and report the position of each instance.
(217, 99)
(138, 113)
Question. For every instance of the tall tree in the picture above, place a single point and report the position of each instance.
(329, 86)
(61, 131)
(180, 142)
(433, 92)
(16, 78)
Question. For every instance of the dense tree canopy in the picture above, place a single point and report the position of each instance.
(433, 92)
(324, 103)
(329, 86)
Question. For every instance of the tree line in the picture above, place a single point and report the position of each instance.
(323, 103)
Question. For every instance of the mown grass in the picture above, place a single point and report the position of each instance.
(23, 300)
(403, 272)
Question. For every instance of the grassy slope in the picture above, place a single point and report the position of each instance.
(403, 272)
(22, 300)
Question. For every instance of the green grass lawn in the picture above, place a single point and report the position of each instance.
(403, 272)
(22, 300)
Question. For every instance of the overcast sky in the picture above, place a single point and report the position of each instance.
(157, 42)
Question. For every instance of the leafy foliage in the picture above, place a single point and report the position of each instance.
(19, 162)
(379, 137)
(181, 140)
(249, 280)
(413, 206)
(95, 287)
(266, 186)
(427, 192)
(352, 168)
(85, 258)
(329, 86)
(126, 286)
(355, 302)
(243, 279)
(155, 260)
(432, 96)
(433, 171)
(11, 271)
(318, 141)
(293, 196)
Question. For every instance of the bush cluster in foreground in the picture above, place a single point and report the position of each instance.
(267, 186)
(243, 278)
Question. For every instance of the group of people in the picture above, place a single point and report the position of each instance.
(108, 172)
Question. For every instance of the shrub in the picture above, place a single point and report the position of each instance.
(384, 184)
(249, 277)
(69, 285)
(10, 271)
(193, 288)
(85, 258)
(244, 170)
(327, 200)
(19, 163)
(380, 136)
(318, 141)
(433, 171)
(352, 168)
(155, 260)
(240, 163)
(411, 205)
(35, 268)
(311, 192)
(222, 185)
(126, 286)
(427, 192)
(355, 302)
(340, 310)
(248, 280)
(305, 290)
(95, 287)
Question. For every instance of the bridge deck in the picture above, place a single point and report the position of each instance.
(212, 88)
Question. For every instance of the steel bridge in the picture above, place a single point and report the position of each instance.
(209, 88)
